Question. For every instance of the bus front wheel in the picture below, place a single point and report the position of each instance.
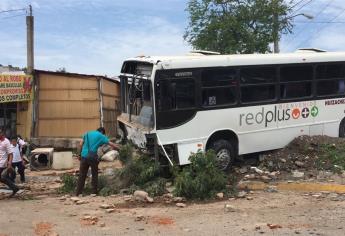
(342, 129)
(225, 154)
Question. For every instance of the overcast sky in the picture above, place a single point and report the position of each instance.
(95, 36)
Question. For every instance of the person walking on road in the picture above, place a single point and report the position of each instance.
(18, 161)
(92, 140)
(6, 156)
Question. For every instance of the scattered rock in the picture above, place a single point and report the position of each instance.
(274, 226)
(105, 206)
(243, 170)
(93, 195)
(257, 170)
(102, 225)
(220, 195)
(229, 208)
(180, 204)
(179, 199)
(80, 202)
(249, 198)
(299, 164)
(242, 194)
(265, 178)
(271, 189)
(127, 198)
(139, 218)
(75, 199)
(140, 195)
(110, 210)
(149, 199)
(168, 196)
(297, 174)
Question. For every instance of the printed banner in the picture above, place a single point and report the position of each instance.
(16, 88)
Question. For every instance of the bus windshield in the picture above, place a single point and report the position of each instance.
(137, 102)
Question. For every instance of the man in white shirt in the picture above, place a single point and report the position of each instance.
(6, 157)
(17, 162)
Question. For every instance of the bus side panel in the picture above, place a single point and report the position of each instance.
(330, 114)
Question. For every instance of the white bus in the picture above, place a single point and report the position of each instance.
(233, 104)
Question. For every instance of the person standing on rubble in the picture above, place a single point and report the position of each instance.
(92, 140)
(6, 156)
(18, 161)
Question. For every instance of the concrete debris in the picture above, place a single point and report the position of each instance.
(80, 202)
(297, 174)
(220, 195)
(110, 156)
(274, 226)
(105, 206)
(149, 199)
(75, 199)
(257, 170)
(140, 195)
(229, 208)
(110, 210)
(180, 204)
(179, 199)
(242, 194)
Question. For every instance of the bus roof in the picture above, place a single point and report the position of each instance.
(195, 60)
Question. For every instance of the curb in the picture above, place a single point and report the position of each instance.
(303, 187)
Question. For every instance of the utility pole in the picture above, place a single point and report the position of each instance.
(30, 41)
(275, 27)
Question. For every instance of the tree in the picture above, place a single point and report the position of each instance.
(236, 26)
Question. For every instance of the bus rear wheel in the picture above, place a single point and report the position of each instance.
(225, 154)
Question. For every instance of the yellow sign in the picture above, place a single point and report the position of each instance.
(16, 88)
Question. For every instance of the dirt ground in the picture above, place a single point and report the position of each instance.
(287, 213)
(40, 211)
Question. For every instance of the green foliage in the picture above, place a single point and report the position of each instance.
(234, 26)
(201, 179)
(155, 187)
(126, 153)
(332, 157)
(69, 184)
(140, 170)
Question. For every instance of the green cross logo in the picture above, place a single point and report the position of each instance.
(314, 111)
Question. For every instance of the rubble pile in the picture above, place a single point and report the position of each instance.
(306, 157)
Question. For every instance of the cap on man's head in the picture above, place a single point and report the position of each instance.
(101, 130)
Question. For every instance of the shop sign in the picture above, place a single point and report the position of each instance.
(16, 88)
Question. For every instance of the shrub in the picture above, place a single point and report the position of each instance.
(332, 157)
(126, 153)
(201, 179)
(69, 184)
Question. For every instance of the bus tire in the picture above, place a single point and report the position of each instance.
(225, 154)
(342, 129)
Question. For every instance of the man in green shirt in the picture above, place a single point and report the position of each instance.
(92, 140)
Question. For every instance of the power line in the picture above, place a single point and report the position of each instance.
(301, 7)
(12, 10)
(321, 28)
(296, 4)
(316, 15)
(320, 22)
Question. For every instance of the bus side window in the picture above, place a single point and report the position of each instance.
(330, 79)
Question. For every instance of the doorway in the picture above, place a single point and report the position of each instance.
(8, 118)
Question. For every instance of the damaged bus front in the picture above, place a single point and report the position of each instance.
(137, 118)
